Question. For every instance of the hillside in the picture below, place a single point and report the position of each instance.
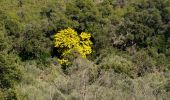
(84, 49)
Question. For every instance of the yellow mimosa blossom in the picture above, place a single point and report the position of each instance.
(68, 40)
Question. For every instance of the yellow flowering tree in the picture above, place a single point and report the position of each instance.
(67, 41)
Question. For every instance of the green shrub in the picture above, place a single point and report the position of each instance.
(119, 64)
(143, 62)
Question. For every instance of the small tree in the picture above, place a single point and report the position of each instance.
(68, 42)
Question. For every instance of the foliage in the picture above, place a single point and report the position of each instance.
(130, 57)
(119, 64)
(67, 42)
(34, 45)
(86, 80)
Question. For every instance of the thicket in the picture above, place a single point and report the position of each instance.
(117, 48)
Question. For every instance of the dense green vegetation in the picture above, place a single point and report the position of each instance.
(130, 56)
